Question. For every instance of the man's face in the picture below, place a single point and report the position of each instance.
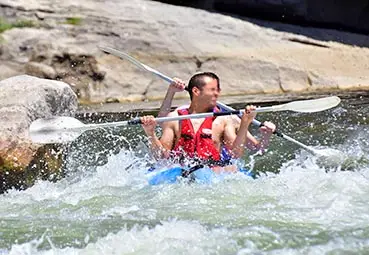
(210, 92)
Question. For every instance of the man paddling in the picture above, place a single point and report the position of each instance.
(200, 139)
(251, 142)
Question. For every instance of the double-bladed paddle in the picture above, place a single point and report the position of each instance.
(318, 104)
(66, 129)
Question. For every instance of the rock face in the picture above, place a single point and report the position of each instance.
(23, 99)
(251, 56)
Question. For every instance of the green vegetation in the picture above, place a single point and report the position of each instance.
(4, 25)
(24, 23)
(73, 21)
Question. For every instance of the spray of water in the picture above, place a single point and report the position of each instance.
(105, 205)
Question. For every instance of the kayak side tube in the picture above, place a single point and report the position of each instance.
(203, 175)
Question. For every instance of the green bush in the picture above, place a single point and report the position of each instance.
(73, 21)
(4, 25)
(24, 23)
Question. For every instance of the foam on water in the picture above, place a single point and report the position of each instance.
(307, 207)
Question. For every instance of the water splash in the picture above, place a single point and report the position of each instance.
(297, 205)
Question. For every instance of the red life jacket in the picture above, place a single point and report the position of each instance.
(199, 145)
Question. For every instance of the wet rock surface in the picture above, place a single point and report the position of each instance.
(23, 99)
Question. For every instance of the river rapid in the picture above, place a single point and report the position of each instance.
(299, 204)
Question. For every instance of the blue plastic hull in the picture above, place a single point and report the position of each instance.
(203, 175)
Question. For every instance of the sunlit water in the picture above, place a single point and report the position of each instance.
(298, 205)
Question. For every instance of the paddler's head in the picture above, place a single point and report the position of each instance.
(205, 88)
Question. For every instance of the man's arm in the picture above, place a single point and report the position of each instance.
(176, 86)
(236, 143)
(266, 130)
(160, 148)
(251, 142)
(261, 145)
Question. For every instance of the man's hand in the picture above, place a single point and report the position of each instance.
(148, 124)
(177, 85)
(249, 114)
(268, 128)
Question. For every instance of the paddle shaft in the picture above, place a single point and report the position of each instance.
(190, 116)
(84, 127)
(276, 132)
(71, 124)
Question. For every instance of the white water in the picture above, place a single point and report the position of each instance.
(309, 207)
(301, 210)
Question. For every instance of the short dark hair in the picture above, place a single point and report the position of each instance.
(198, 81)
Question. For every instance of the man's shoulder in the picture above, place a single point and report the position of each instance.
(229, 121)
(171, 124)
(233, 119)
(230, 118)
(173, 113)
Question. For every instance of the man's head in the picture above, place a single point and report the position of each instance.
(205, 85)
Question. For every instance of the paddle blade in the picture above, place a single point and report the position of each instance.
(315, 105)
(55, 130)
(331, 158)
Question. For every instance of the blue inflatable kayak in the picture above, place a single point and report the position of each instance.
(198, 174)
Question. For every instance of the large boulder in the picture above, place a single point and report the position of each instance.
(23, 99)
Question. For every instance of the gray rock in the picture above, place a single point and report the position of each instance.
(8, 69)
(25, 98)
(40, 70)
